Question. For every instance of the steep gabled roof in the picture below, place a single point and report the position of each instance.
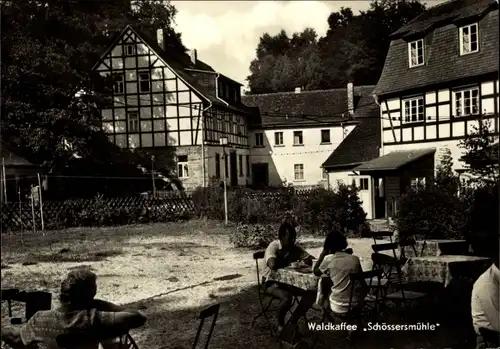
(179, 63)
(361, 144)
(11, 159)
(305, 107)
(438, 26)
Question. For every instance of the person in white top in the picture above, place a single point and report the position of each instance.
(338, 263)
(279, 254)
(485, 293)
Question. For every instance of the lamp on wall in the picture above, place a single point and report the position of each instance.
(224, 141)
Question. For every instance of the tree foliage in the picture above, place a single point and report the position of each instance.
(353, 50)
(48, 50)
(482, 157)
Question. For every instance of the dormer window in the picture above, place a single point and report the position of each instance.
(469, 42)
(416, 53)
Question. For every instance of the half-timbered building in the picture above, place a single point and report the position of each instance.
(163, 101)
(440, 79)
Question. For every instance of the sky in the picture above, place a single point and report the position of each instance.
(226, 33)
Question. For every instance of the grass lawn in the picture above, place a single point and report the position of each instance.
(171, 271)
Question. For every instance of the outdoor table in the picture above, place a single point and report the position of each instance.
(444, 269)
(431, 248)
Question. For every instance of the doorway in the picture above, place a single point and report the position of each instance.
(260, 175)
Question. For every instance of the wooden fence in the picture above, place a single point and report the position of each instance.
(24, 215)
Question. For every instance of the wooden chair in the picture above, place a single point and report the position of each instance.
(381, 235)
(262, 293)
(9, 294)
(391, 271)
(392, 246)
(490, 336)
(410, 242)
(211, 311)
(369, 305)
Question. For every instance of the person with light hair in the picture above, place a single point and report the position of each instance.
(81, 319)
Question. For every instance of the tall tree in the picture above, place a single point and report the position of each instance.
(353, 49)
(48, 50)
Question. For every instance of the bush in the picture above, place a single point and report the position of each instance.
(431, 212)
(209, 202)
(256, 236)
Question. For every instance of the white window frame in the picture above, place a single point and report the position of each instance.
(417, 181)
(407, 111)
(329, 137)
(141, 80)
(466, 39)
(413, 47)
(133, 121)
(278, 138)
(300, 135)
(363, 181)
(259, 139)
(119, 86)
(298, 172)
(126, 47)
(324, 174)
(459, 96)
(182, 168)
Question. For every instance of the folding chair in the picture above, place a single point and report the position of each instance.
(369, 305)
(9, 294)
(392, 246)
(391, 272)
(262, 294)
(382, 234)
(212, 310)
(490, 336)
(408, 243)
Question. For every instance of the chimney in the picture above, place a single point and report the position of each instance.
(160, 38)
(194, 55)
(297, 90)
(350, 98)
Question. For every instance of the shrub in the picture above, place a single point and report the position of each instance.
(255, 236)
(432, 212)
(209, 201)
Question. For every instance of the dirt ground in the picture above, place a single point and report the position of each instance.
(171, 271)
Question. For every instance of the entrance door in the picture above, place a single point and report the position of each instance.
(260, 175)
(233, 169)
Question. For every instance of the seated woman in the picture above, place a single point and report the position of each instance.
(279, 254)
(338, 263)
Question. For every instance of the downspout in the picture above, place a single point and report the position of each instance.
(203, 142)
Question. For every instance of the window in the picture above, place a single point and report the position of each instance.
(325, 136)
(298, 172)
(414, 109)
(129, 50)
(248, 165)
(466, 102)
(417, 182)
(278, 138)
(133, 121)
(363, 184)
(240, 160)
(416, 53)
(119, 87)
(227, 94)
(217, 165)
(259, 139)
(297, 138)
(469, 42)
(226, 163)
(182, 166)
(144, 82)
(324, 173)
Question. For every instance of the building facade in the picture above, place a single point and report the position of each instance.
(164, 101)
(440, 80)
(296, 132)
